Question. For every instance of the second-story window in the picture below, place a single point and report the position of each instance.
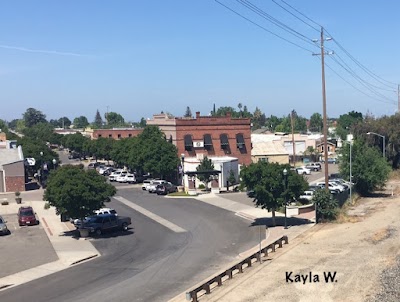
(188, 142)
(240, 141)
(224, 141)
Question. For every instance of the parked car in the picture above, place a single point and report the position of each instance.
(166, 188)
(308, 195)
(107, 222)
(333, 189)
(250, 193)
(77, 222)
(74, 155)
(26, 216)
(314, 166)
(3, 227)
(151, 188)
(130, 178)
(93, 165)
(113, 176)
(303, 171)
(122, 177)
(146, 182)
(331, 160)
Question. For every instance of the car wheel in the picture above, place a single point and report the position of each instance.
(315, 170)
(98, 232)
(124, 226)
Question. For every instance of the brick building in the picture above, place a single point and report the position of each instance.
(12, 170)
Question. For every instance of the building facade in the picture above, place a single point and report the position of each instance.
(115, 133)
(12, 170)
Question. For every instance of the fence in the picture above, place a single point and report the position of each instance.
(205, 288)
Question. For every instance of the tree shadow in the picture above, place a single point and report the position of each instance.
(280, 221)
(378, 195)
(32, 186)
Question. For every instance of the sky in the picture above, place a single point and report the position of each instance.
(138, 58)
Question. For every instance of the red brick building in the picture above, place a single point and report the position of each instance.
(214, 137)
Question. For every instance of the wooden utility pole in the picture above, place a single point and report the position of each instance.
(293, 141)
(324, 110)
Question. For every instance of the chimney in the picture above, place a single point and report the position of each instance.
(197, 114)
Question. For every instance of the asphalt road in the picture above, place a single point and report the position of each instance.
(150, 262)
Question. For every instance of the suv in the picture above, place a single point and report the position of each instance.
(77, 221)
(165, 188)
(303, 171)
(26, 216)
(314, 166)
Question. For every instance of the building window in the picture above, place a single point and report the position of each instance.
(188, 142)
(207, 141)
(263, 159)
(99, 135)
(130, 135)
(110, 136)
(224, 141)
(119, 136)
(240, 141)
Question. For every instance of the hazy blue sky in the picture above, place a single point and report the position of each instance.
(70, 58)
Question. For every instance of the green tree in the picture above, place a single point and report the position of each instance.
(316, 122)
(33, 148)
(76, 142)
(64, 122)
(268, 182)
(80, 122)
(327, 207)
(115, 119)
(347, 122)
(13, 124)
(98, 121)
(33, 117)
(369, 169)
(188, 112)
(206, 167)
(3, 126)
(40, 131)
(232, 177)
(76, 192)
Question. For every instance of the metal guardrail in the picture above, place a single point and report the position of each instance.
(192, 295)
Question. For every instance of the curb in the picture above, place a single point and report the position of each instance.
(84, 259)
(246, 216)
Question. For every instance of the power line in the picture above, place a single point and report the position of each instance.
(262, 27)
(316, 29)
(299, 12)
(274, 21)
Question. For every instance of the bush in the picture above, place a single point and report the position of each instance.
(201, 186)
(327, 207)
(46, 206)
(17, 193)
(4, 202)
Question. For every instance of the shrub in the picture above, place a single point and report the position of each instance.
(327, 207)
(17, 193)
(4, 202)
(46, 206)
(201, 186)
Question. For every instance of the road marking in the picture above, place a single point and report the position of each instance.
(151, 215)
(47, 227)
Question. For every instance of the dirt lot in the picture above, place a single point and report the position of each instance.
(362, 252)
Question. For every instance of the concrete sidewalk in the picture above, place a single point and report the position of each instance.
(69, 249)
(260, 216)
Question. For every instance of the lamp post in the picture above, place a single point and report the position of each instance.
(183, 170)
(285, 179)
(54, 163)
(350, 176)
(383, 141)
(41, 168)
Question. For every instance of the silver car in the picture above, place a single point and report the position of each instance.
(3, 227)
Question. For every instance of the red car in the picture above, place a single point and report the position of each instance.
(26, 216)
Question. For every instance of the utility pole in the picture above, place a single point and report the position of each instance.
(325, 126)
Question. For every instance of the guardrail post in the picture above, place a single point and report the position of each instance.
(272, 246)
(229, 272)
(219, 280)
(248, 262)
(279, 242)
(285, 238)
(265, 251)
(206, 287)
(240, 267)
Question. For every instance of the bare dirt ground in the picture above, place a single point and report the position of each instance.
(364, 251)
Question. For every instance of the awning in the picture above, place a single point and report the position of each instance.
(188, 141)
(240, 140)
(207, 140)
(224, 140)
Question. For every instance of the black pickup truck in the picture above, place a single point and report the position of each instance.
(107, 222)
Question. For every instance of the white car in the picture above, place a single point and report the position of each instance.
(122, 177)
(307, 195)
(113, 176)
(130, 178)
(336, 186)
(146, 182)
(303, 171)
(151, 188)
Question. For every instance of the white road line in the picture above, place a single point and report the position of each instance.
(160, 220)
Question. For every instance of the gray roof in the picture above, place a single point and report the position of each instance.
(8, 156)
(268, 148)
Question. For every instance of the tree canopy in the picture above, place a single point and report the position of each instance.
(268, 182)
(33, 116)
(207, 166)
(77, 192)
(81, 122)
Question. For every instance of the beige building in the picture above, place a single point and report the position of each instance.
(166, 123)
(268, 148)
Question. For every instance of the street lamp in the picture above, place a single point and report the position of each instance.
(351, 176)
(384, 144)
(41, 168)
(183, 170)
(54, 163)
(285, 177)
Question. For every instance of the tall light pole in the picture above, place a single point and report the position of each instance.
(351, 175)
(54, 163)
(285, 179)
(183, 170)
(383, 141)
(41, 168)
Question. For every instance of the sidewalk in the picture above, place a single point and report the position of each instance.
(69, 250)
(303, 223)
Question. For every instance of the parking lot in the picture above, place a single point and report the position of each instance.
(24, 248)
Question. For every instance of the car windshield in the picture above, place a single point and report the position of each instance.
(1, 220)
(27, 213)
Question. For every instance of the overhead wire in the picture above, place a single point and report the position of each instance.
(262, 27)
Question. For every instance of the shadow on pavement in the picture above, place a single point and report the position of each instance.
(75, 234)
(32, 186)
(280, 221)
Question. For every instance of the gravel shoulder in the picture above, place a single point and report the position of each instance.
(364, 253)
